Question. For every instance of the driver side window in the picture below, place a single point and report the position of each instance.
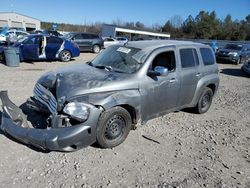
(165, 59)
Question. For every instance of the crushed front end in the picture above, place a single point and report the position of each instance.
(67, 128)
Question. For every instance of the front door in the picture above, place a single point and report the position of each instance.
(30, 48)
(159, 93)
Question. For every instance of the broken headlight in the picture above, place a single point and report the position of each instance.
(77, 110)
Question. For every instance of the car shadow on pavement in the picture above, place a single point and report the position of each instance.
(46, 61)
(233, 72)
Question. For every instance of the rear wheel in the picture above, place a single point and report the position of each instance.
(113, 127)
(65, 56)
(96, 49)
(205, 101)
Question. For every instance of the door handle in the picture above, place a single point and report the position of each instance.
(198, 74)
(172, 80)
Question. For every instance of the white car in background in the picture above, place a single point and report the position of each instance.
(13, 35)
(108, 41)
(122, 40)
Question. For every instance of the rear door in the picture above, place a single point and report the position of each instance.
(190, 75)
(78, 39)
(87, 41)
(53, 44)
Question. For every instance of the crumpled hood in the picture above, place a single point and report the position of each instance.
(75, 80)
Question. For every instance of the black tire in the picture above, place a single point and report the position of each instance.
(65, 56)
(96, 49)
(113, 127)
(205, 101)
(238, 61)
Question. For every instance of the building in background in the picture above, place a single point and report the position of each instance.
(131, 33)
(15, 20)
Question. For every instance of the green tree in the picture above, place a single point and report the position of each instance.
(189, 27)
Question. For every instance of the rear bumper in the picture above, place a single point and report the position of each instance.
(14, 123)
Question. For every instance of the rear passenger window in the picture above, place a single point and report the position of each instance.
(188, 57)
(78, 36)
(94, 36)
(86, 36)
(207, 56)
(54, 40)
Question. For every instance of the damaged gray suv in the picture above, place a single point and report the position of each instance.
(102, 100)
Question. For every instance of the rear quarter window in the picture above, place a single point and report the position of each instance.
(207, 56)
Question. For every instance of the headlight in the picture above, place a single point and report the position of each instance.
(233, 53)
(77, 110)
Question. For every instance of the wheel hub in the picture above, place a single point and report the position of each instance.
(205, 100)
(114, 128)
(66, 56)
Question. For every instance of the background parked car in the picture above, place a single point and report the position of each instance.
(236, 53)
(86, 41)
(37, 32)
(51, 32)
(17, 28)
(108, 41)
(122, 40)
(12, 35)
(45, 47)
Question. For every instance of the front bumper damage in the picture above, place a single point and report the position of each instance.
(15, 124)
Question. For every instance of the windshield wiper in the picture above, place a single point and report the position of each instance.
(108, 68)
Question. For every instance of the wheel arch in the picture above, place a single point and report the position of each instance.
(211, 81)
(212, 86)
(132, 111)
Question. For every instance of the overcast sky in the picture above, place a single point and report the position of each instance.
(146, 11)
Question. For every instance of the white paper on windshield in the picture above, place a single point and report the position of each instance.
(123, 50)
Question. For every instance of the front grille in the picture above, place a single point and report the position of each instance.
(45, 97)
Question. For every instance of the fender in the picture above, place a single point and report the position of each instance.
(202, 83)
(107, 100)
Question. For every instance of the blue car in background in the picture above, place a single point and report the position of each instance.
(45, 47)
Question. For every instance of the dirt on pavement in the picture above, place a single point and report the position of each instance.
(183, 149)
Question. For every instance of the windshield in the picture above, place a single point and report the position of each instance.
(233, 47)
(118, 59)
(20, 40)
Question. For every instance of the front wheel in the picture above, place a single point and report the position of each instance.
(113, 127)
(65, 56)
(238, 61)
(96, 49)
(205, 101)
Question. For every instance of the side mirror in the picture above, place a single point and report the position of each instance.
(158, 71)
(162, 71)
